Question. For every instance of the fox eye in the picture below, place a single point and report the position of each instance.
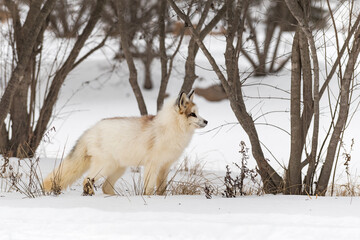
(192, 115)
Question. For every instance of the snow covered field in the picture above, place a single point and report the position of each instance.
(92, 92)
(71, 216)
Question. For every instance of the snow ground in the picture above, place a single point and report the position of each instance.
(179, 217)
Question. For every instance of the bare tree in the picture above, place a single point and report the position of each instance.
(233, 86)
(27, 126)
(165, 60)
(345, 90)
(306, 93)
(129, 58)
(140, 18)
(277, 21)
(304, 40)
(146, 22)
(27, 36)
(202, 30)
(67, 18)
(163, 56)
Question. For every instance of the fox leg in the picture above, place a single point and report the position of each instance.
(95, 173)
(88, 186)
(161, 181)
(108, 186)
(150, 174)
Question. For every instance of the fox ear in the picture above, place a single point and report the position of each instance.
(191, 95)
(182, 100)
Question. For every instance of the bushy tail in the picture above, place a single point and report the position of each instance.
(69, 170)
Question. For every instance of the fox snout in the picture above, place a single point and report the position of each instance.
(202, 123)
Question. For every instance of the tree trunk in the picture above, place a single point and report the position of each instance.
(293, 173)
(20, 127)
(4, 139)
(190, 75)
(342, 117)
(33, 24)
(273, 183)
(307, 109)
(301, 13)
(149, 55)
(133, 79)
(21, 109)
(163, 55)
(147, 79)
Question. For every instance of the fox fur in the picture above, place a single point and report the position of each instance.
(113, 144)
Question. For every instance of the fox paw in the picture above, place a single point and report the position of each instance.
(89, 187)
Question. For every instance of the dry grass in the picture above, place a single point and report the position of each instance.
(186, 179)
(347, 190)
(132, 186)
(9, 174)
(350, 188)
(191, 179)
(21, 175)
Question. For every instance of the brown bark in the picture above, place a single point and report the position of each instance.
(190, 75)
(301, 15)
(130, 62)
(260, 67)
(300, 122)
(20, 122)
(149, 56)
(342, 117)
(293, 173)
(163, 56)
(307, 109)
(165, 60)
(147, 79)
(340, 55)
(61, 74)
(4, 139)
(262, 49)
(33, 24)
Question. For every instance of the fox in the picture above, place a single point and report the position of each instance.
(112, 145)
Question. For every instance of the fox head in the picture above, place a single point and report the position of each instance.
(189, 110)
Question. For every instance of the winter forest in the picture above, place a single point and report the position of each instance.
(276, 80)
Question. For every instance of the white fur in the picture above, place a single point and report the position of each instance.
(112, 145)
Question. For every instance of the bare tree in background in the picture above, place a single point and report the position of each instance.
(165, 60)
(143, 21)
(23, 131)
(68, 17)
(278, 19)
(263, 54)
(202, 8)
(140, 19)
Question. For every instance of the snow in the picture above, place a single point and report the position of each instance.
(179, 217)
